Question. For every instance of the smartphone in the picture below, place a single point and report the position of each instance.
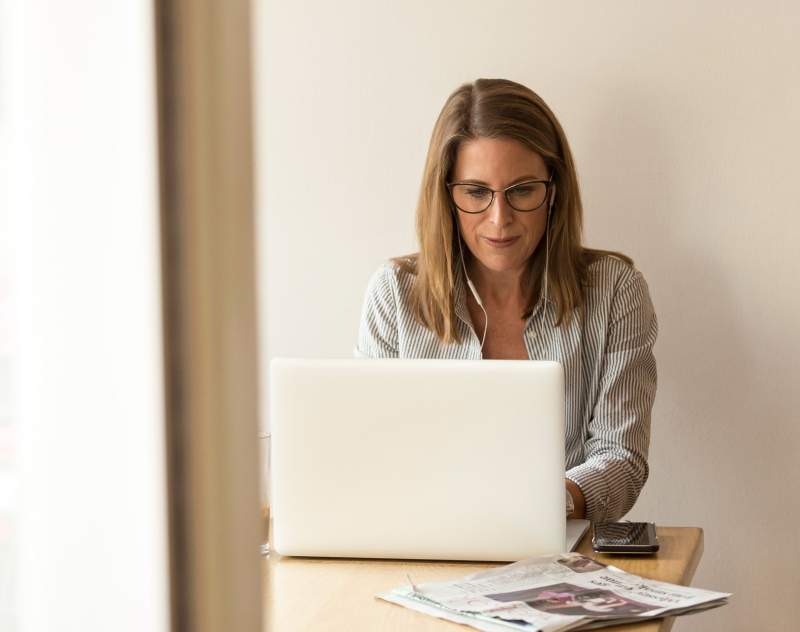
(625, 537)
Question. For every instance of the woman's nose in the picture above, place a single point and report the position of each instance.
(499, 211)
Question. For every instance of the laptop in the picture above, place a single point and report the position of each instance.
(418, 459)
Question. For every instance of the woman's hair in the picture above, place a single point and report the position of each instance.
(496, 108)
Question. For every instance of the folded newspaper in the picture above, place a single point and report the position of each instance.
(554, 592)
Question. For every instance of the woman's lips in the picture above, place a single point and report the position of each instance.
(501, 243)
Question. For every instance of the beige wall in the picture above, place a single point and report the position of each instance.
(684, 119)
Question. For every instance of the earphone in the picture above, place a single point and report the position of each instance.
(471, 286)
(474, 292)
(547, 243)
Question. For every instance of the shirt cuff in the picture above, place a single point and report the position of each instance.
(592, 483)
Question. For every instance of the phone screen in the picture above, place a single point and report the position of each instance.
(625, 533)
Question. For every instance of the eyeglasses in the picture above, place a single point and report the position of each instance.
(475, 198)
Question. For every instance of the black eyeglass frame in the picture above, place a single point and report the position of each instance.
(505, 191)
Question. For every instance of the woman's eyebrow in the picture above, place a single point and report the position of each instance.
(525, 179)
(510, 184)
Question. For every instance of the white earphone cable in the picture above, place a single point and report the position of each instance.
(547, 254)
(472, 289)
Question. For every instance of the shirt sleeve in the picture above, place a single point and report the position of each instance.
(377, 332)
(615, 467)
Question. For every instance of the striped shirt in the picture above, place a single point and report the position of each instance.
(606, 352)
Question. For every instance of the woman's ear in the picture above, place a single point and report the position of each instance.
(552, 195)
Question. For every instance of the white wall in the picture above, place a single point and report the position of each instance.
(82, 186)
(684, 119)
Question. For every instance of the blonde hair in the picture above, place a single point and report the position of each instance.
(496, 108)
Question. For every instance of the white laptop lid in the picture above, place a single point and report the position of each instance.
(420, 459)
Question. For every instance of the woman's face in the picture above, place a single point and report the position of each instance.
(501, 239)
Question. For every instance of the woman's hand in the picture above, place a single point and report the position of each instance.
(577, 497)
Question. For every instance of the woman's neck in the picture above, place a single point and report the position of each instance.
(499, 289)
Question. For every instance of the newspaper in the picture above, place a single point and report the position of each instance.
(554, 592)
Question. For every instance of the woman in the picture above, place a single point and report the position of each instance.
(501, 273)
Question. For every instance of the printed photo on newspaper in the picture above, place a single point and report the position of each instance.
(554, 592)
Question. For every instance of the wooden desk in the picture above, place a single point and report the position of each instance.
(339, 595)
